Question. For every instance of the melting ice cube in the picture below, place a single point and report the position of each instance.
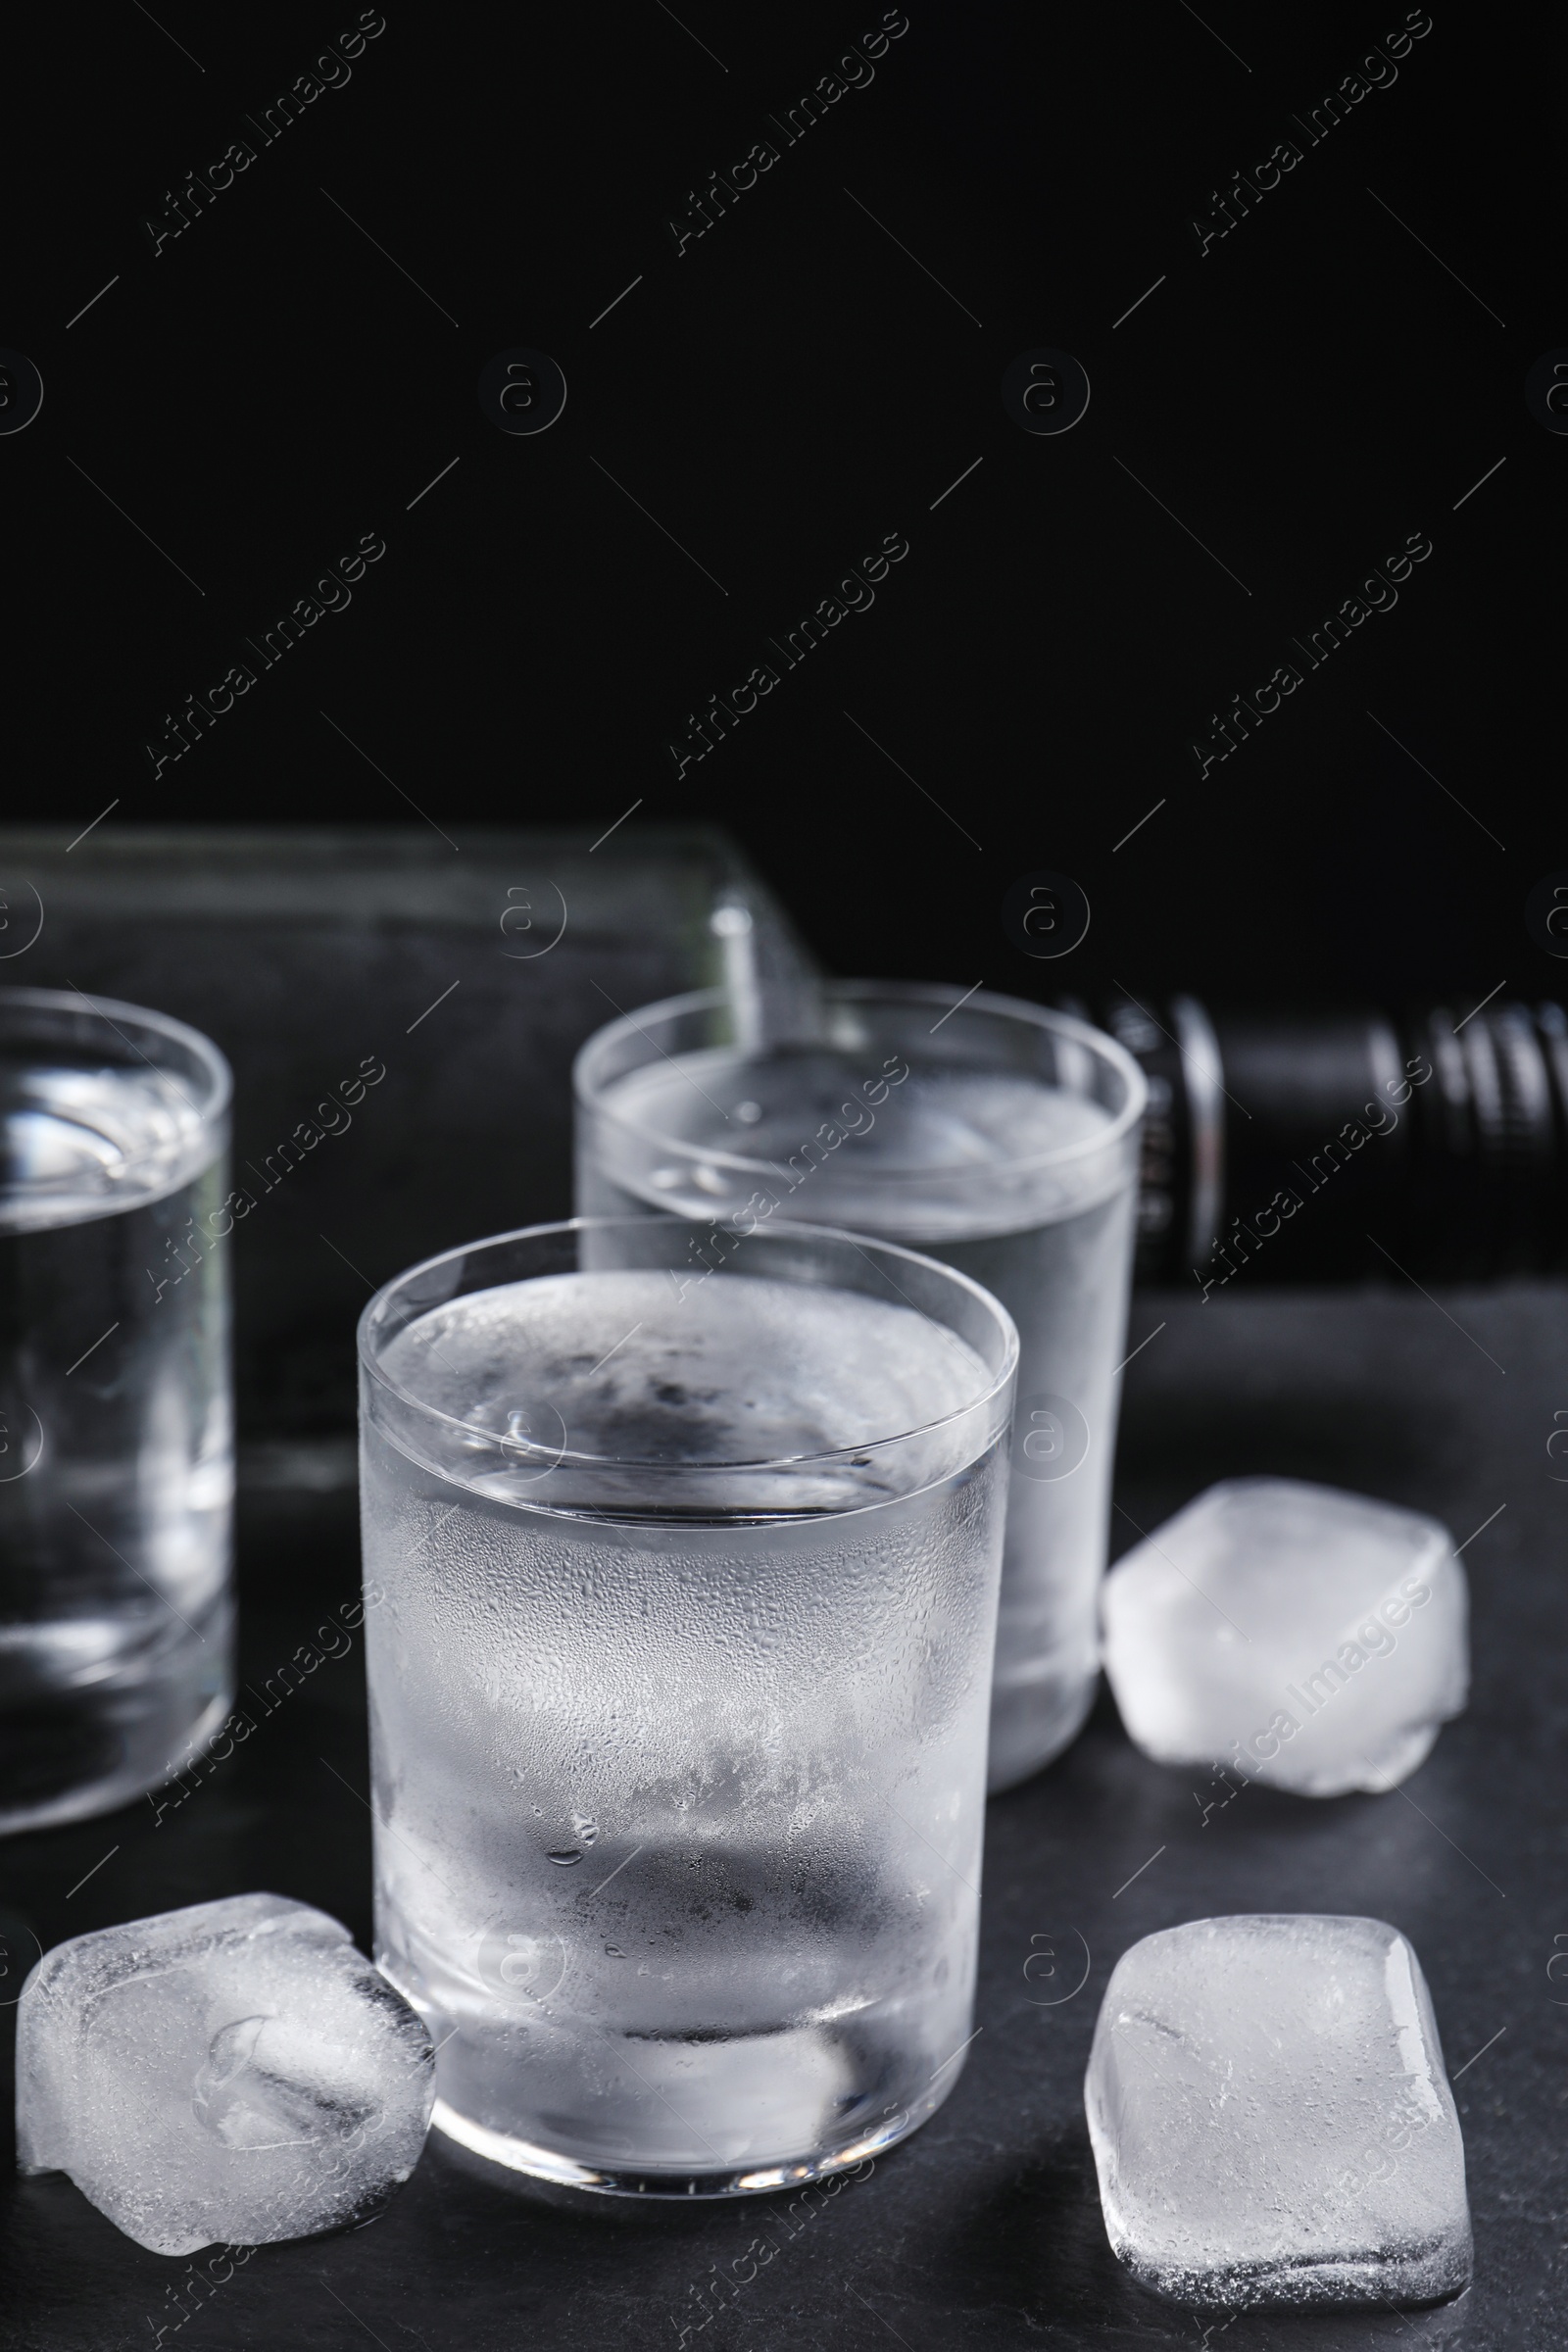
(236, 2072)
(1292, 1634)
(1271, 2119)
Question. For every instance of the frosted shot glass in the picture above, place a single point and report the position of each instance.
(990, 1133)
(115, 1416)
(681, 1573)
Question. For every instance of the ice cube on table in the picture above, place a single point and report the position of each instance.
(1271, 2118)
(233, 2072)
(1292, 1634)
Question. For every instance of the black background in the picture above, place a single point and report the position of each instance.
(791, 388)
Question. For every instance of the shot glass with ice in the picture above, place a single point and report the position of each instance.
(993, 1134)
(686, 1542)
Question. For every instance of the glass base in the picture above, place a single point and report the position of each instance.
(1032, 1721)
(545, 2164)
(89, 1753)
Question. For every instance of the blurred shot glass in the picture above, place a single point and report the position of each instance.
(990, 1133)
(116, 1421)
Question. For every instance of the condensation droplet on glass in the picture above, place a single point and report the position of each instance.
(749, 1114)
(565, 1855)
(709, 1180)
(614, 1951)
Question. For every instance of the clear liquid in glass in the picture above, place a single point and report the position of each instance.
(116, 1449)
(679, 1780)
(997, 1173)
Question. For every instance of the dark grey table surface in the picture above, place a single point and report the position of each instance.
(985, 2228)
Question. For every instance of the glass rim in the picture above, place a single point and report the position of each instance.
(591, 1095)
(211, 1060)
(523, 1449)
